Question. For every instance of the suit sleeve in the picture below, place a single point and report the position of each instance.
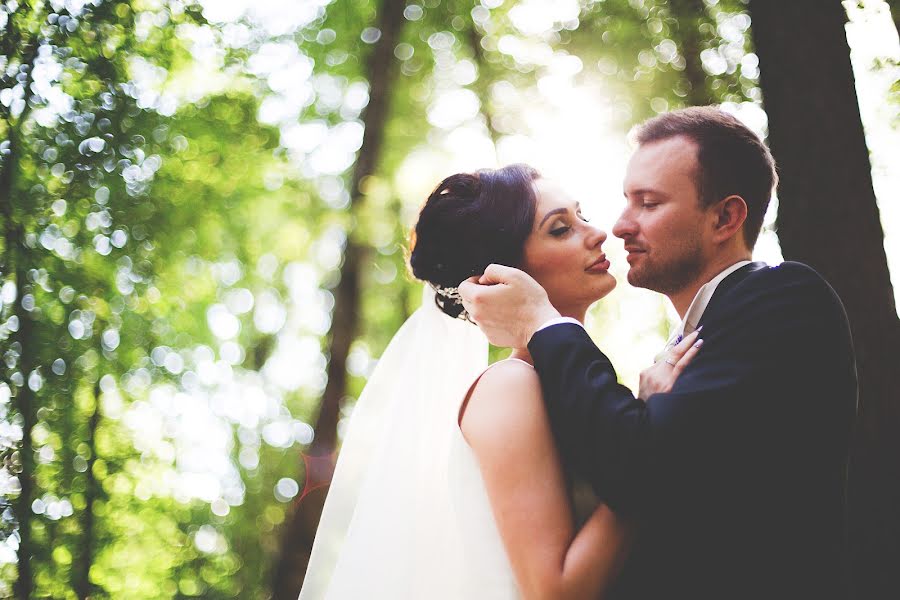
(712, 421)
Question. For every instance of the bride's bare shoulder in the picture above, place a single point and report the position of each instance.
(506, 398)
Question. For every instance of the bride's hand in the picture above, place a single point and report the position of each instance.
(662, 375)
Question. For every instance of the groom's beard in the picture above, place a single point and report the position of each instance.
(668, 274)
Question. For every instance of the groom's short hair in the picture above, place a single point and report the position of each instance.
(732, 159)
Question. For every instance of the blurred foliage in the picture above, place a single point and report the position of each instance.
(173, 185)
(177, 247)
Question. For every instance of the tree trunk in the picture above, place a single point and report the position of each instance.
(689, 14)
(15, 260)
(25, 403)
(482, 87)
(829, 219)
(83, 586)
(299, 532)
(895, 13)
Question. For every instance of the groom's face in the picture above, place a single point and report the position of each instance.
(663, 224)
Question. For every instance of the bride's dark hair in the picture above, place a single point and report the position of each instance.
(470, 221)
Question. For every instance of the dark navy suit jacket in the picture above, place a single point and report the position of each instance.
(736, 477)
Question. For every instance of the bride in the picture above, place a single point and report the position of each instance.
(448, 484)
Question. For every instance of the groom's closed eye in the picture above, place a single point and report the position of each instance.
(645, 197)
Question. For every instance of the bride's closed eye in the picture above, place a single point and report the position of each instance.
(564, 229)
(560, 231)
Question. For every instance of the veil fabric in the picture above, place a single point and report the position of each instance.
(388, 527)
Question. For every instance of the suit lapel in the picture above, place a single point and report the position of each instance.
(727, 284)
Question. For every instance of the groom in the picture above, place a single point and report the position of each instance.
(735, 478)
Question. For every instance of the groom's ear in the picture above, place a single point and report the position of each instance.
(730, 212)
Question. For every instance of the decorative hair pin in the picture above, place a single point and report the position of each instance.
(451, 293)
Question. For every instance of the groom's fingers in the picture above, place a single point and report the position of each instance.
(467, 291)
(495, 274)
(468, 287)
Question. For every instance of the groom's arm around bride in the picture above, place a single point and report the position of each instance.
(739, 470)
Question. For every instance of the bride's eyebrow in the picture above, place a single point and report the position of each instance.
(557, 211)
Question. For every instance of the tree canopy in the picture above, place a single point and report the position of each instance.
(205, 210)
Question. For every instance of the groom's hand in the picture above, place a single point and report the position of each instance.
(507, 304)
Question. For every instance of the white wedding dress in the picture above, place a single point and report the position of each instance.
(407, 515)
(488, 573)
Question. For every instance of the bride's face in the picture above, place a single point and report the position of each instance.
(563, 252)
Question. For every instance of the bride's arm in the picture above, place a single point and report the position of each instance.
(506, 425)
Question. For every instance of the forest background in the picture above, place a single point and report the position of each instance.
(204, 210)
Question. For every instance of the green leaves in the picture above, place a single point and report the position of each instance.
(175, 205)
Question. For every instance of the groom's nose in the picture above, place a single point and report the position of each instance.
(625, 226)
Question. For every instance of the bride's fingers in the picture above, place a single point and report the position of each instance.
(687, 357)
(679, 349)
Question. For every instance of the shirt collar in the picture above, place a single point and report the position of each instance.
(692, 317)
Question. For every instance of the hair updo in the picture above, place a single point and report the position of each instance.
(470, 221)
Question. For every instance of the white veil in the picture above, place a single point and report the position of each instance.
(388, 527)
